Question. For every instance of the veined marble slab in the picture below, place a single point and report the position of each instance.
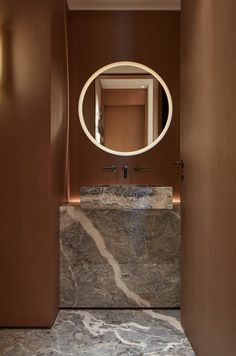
(119, 258)
(126, 197)
(101, 333)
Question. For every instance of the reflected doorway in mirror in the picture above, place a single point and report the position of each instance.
(125, 108)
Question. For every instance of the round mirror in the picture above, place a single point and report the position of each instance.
(125, 108)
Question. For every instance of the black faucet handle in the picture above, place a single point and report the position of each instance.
(141, 169)
(111, 168)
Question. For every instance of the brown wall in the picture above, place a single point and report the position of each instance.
(209, 149)
(102, 37)
(32, 154)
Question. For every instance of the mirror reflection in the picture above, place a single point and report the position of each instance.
(125, 108)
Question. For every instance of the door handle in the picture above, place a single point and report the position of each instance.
(180, 163)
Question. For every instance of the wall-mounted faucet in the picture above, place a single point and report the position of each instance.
(113, 168)
(125, 171)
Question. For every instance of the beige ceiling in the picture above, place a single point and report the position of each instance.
(124, 4)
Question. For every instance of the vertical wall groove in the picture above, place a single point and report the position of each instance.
(67, 163)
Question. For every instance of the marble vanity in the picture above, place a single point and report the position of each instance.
(120, 248)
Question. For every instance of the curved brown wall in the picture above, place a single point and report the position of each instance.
(209, 196)
(32, 148)
(97, 38)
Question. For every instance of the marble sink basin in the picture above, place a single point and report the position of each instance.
(120, 248)
(126, 197)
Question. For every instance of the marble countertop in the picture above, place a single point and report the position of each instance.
(126, 197)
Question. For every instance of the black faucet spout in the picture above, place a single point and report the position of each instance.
(125, 171)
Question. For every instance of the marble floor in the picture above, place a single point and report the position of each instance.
(101, 333)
